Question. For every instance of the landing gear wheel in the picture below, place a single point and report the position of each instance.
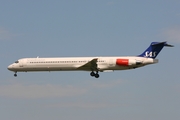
(97, 75)
(92, 74)
(15, 75)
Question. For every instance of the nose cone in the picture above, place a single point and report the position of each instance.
(10, 67)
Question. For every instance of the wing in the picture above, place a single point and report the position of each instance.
(91, 65)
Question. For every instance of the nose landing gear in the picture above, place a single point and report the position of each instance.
(15, 74)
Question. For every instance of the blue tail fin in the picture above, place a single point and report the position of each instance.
(154, 49)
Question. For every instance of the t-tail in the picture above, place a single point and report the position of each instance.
(154, 49)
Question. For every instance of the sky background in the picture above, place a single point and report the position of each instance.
(62, 28)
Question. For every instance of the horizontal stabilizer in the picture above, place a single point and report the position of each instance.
(159, 43)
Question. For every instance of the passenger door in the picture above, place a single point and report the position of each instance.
(21, 63)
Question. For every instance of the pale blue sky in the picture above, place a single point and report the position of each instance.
(90, 28)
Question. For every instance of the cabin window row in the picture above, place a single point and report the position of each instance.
(63, 62)
(58, 62)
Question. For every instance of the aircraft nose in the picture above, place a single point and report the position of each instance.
(10, 67)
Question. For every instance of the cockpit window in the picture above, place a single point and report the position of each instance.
(16, 61)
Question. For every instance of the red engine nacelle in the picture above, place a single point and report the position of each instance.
(122, 62)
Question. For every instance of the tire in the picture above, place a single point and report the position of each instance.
(96, 75)
(92, 74)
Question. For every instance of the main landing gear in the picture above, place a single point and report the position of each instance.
(15, 74)
(96, 75)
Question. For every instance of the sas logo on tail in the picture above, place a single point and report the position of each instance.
(150, 54)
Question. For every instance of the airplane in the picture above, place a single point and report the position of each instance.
(92, 64)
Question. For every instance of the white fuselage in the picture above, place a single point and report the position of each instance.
(79, 63)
